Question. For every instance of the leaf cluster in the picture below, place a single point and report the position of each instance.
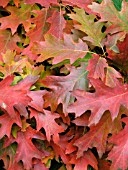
(64, 84)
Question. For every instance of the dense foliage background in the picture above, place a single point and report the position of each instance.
(63, 84)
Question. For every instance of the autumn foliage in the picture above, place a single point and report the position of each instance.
(63, 85)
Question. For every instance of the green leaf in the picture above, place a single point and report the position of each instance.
(16, 80)
(99, 1)
(15, 129)
(88, 26)
(118, 4)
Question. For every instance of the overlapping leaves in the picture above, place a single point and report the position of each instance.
(63, 88)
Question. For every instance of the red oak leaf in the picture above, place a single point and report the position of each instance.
(80, 3)
(105, 98)
(47, 121)
(121, 58)
(37, 99)
(8, 159)
(62, 86)
(59, 50)
(96, 67)
(66, 141)
(118, 154)
(83, 162)
(111, 77)
(12, 65)
(96, 137)
(18, 16)
(26, 149)
(8, 42)
(108, 12)
(82, 120)
(45, 3)
(103, 165)
(41, 26)
(40, 166)
(59, 151)
(86, 24)
(4, 3)
(57, 22)
(27, 51)
(15, 96)
(6, 122)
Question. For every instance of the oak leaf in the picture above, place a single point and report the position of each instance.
(45, 3)
(99, 68)
(59, 50)
(120, 59)
(118, 154)
(8, 42)
(37, 99)
(6, 122)
(18, 16)
(95, 137)
(96, 67)
(80, 3)
(41, 25)
(57, 22)
(47, 121)
(61, 87)
(83, 162)
(105, 98)
(26, 149)
(15, 96)
(108, 12)
(40, 166)
(4, 3)
(86, 24)
(13, 64)
(8, 157)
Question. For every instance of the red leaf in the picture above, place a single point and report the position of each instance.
(96, 67)
(7, 156)
(57, 22)
(17, 166)
(83, 120)
(59, 151)
(118, 154)
(6, 122)
(15, 96)
(8, 42)
(67, 140)
(59, 50)
(80, 3)
(37, 99)
(47, 121)
(105, 98)
(96, 137)
(121, 58)
(83, 162)
(4, 3)
(62, 86)
(26, 149)
(41, 26)
(103, 165)
(45, 3)
(40, 166)
(18, 16)
(108, 12)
